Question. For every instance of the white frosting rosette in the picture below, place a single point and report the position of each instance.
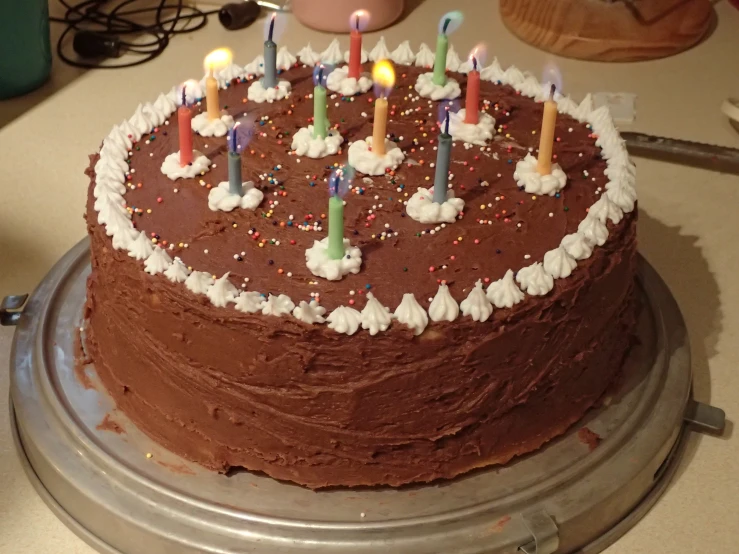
(305, 144)
(364, 160)
(171, 166)
(473, 133)
(259, 93)
(339, 81)
(222, 199)
(208, 127)
(426, 87)
(423, 209)
(532, 182)
(321, 265)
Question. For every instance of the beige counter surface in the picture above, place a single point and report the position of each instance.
(689, 227)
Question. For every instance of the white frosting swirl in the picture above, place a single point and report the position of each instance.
(452, 59)
(604, 209)
(117, 222)
(339, 81)
(120, 138)
(141, 248)
(504, 293)
(305, 144)
(622, 195)
(222, 292)
(105, 205)
(443, 307)
(529, 178)
(558, 263)
(309, 313)
(344, 320)
(380, 51)
(278, 305)
(285, 60)
(208, 127)
(321, 265)
(477, 304)
(228, 74)
(158, 261)
(426, 87)
(493, 72)
(111, 168)
(593, 230)
(332, 55)
(424, 57)
(375, 316)
(530, 86)
(129, 131)
(512, 76)
(171, 166)
(140, 122)
(177, 272)
(256, 67)
(534, 280)
(308, 56)
(221, 199)
(585, 108)
(403, 54)
(577, 246)
(259, 94)
(250, 302)
(422, 208)
(473, 133)
(154, 114)
(567, 105)
(198, 282)
(410, 313)
(364, 160)
(108, 188)
(122, 236)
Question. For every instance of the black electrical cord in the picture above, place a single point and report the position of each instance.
(102, 31)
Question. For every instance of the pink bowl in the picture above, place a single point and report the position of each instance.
(333, 15)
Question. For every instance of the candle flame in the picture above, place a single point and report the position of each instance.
(478, 55)
(340, 181)
(274, 26)
(241, 134)
(189, 91)
(551, 76)
(359, 20)
(450, 22)
(383, 75)
(445, 108)
(217, 59)
(320, 73)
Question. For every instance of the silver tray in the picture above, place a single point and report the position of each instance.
(566, 497)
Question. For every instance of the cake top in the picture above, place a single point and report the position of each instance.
(499, 239)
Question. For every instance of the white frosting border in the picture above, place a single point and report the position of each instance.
(618, 198)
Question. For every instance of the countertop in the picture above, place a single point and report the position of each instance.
(688, 227)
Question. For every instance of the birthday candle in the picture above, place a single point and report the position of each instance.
(443, 159)
(472, 102)
(184, 126)
(546, 139)
(270, 56)
(384, 76)
(320, 120)
(215, 60)
(339, 183)
(358, 19)
(449, 23)
(234, 164)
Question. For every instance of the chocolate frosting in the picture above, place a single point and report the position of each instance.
(306, 404)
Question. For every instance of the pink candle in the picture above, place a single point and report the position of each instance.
(355, 47)
(472, 103)
(184, 121)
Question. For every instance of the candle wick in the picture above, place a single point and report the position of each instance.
(184, 96)
(446, 123)
(552, 90)
(356, 22)
(474, 63)
(446, 24)
(271, 27)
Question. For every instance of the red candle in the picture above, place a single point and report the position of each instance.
(355, 47)
(472, 103)
(184, 120)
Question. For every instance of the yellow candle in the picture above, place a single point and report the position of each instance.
(217, 59)
(383, 75)
(211, 96)
(546, 139)
(380, 127)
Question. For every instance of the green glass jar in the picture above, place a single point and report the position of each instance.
(25, 49)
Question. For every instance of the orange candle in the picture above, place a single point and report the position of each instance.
(472, 102)
(215, 60)
(384, 76)
(184, 122)
(546, 140)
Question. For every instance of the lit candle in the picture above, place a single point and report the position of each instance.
(270, 57)
(215, 60)
(384, 76)
(359, 18)
(546, 139)
(234, 163)
(338, 185)
(472, 102)
(184, 127)
(449, 23)
(320, 120)
(443, 159)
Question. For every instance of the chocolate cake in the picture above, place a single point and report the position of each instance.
(455, 345)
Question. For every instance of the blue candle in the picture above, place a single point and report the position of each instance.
(443, 159)
(234, 165)
(270, 58)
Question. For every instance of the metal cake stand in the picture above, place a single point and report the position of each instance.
(579, 494)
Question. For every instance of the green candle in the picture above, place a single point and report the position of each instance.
(442, 45)
(335, 228)
(320, 121)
